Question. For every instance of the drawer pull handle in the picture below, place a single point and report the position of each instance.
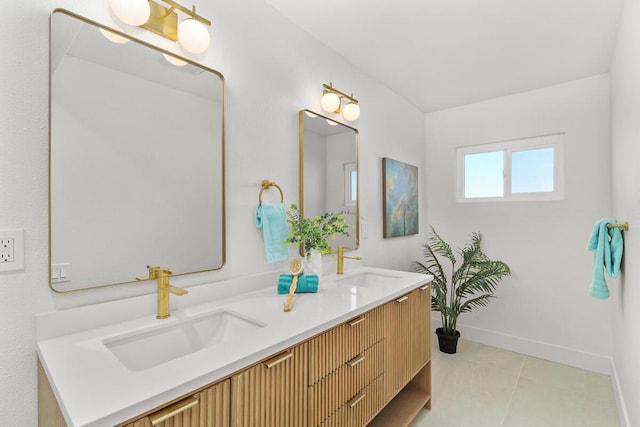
(172, 410)
(353, 362)
(402, 299)
(278, 359)
(357, 321)
(424, 288)
(353, 402)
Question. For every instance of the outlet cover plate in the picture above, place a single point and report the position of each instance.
(12, 250)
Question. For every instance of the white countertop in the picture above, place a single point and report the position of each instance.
(94, 388)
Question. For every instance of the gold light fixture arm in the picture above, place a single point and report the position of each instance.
(164, 20)
(192, 13)
(329, 88)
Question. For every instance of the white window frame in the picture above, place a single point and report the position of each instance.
(555, 141)
(349, 168)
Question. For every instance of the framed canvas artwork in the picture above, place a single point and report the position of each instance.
(400, 198)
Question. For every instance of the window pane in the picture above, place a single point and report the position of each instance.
(532, 171)
(483, 174)
(354, 186)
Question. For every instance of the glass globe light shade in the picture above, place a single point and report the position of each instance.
(351, 111)
(173, 60)
(330, 102)
(332, 123)
(131, 12)
(113, 37)
(193, 36)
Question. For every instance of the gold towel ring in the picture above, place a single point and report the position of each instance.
(267, 184)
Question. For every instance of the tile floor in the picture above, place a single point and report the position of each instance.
(486, 386)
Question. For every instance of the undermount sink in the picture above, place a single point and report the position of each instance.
(145, 349)
(367, 279)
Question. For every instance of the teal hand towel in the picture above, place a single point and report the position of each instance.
(608, 246)
(273, 221)
(306, 283)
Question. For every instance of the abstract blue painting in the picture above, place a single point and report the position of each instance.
(400, 195)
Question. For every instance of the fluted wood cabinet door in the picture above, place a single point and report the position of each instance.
(421, 327)
(272, 393)
(208, 408)
(398, 343)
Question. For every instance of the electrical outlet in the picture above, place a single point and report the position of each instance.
(7, 251)
(11, 250)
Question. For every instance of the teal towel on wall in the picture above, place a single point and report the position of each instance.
(608, 246)
(306, 283)
(273, 221)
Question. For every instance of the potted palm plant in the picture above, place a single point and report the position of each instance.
(471, 285)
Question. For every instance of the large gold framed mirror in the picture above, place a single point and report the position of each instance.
(137, 159)
(329, 173)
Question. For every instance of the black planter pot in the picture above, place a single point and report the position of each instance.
(448, 343)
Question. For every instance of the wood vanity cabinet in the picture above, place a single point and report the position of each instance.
(408, 358)
(374, 369)
(272, 393)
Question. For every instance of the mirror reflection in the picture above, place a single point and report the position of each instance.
(136, 159)
(329, 172)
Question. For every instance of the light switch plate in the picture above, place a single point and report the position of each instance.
(364, 229)
(61, 272)
(11, 250)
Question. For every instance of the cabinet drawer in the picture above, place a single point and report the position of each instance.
(209, 407)
(332, 349)
(347, 381)
(361, 408)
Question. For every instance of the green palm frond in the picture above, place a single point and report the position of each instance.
(477, 302)
(438, 246)
(472, 283)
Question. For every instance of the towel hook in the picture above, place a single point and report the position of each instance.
(268, 184)
(624, 225)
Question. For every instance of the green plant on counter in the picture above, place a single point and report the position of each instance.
(312, 233)
(472, 284)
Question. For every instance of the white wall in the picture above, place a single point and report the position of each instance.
(543, 309)
(272, 71)
(625, 109)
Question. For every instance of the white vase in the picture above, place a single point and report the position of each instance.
(313, 264)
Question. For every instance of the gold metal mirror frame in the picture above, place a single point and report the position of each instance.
(222, 145)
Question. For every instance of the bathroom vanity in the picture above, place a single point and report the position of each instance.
(356, 352)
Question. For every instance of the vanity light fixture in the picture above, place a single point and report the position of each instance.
(174, 61)
(192, 33)
(113, 37)
(332, 102)
(131, 12)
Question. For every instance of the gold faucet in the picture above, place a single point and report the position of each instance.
(164, 288)
(342, 256)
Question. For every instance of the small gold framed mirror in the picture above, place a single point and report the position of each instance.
(329, 175)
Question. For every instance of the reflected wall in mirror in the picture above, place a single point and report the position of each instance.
(136, 159)
(329, 172)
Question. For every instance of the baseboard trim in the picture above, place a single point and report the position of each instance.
(623, 415)
(555, 353)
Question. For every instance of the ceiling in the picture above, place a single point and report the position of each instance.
(439, 54)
